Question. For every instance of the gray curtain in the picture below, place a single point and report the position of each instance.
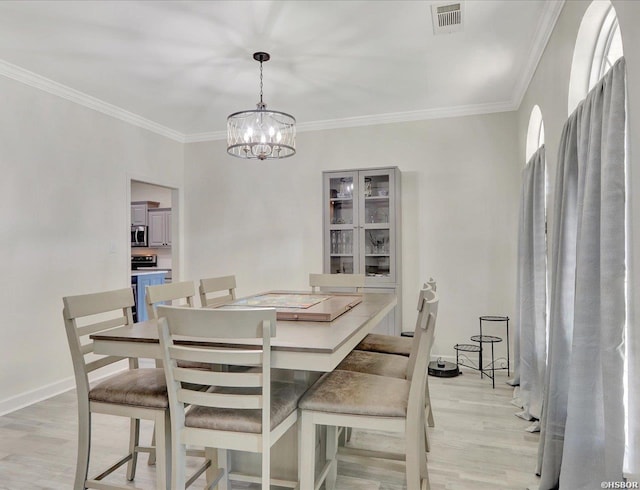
(582, 437)
(531, 292)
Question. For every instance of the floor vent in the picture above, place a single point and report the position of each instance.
(447, 18)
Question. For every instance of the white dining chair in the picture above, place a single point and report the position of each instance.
(332, 282)
(391, 344)
(367, 401)
(387, 366)
(135, 393)
(216, 291)
(244, 411)
(178, 293)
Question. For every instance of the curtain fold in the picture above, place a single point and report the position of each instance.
(595, 430)
(531, 292)
(582, 435)
(563, 247)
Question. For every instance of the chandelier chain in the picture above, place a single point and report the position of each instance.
(261, 103)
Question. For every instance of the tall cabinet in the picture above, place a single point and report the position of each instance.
(362, 231)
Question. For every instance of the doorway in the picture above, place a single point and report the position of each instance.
(161, 200)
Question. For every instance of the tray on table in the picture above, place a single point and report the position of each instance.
(316, 307)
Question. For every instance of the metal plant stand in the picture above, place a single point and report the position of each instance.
(489, 370)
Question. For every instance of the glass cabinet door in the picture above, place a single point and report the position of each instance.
(341, 190)
(377, 233)
(360, 224)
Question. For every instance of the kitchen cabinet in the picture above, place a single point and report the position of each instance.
(139, 211)
(139, 281)
(361, 232)
(160, 227)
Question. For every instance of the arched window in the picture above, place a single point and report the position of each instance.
(535, 133)
(598, 46)
(608, 47)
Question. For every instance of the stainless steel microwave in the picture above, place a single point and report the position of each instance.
(139, 236)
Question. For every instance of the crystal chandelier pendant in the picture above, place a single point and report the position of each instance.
(261, 134)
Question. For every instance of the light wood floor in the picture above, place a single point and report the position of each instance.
(477, 443)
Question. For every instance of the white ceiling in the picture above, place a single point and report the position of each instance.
(180, 67)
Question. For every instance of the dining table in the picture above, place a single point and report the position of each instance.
(300, 349)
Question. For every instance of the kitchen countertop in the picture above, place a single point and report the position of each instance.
(149, 270)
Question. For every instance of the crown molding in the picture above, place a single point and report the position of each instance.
(408, 116)
(209, 136)
(544, 29)
(37, 81)
(375, 119)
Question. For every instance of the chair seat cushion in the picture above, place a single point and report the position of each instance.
(284, 400)
(375, 363)
(387, 344)
(349, 392)
(135, 387)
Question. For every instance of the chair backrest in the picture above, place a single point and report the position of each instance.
(422, 311)
(87, 314)
(225, 285)
(431, 282)
(173, 291)
(424, 334)
(199, 323)
(328, 282)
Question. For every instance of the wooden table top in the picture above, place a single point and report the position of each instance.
(292, 345)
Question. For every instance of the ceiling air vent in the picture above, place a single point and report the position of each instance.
(447, 17)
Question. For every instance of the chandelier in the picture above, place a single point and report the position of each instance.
(260, 133)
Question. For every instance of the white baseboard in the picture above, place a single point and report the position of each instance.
(36, 395)
(27, 398)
